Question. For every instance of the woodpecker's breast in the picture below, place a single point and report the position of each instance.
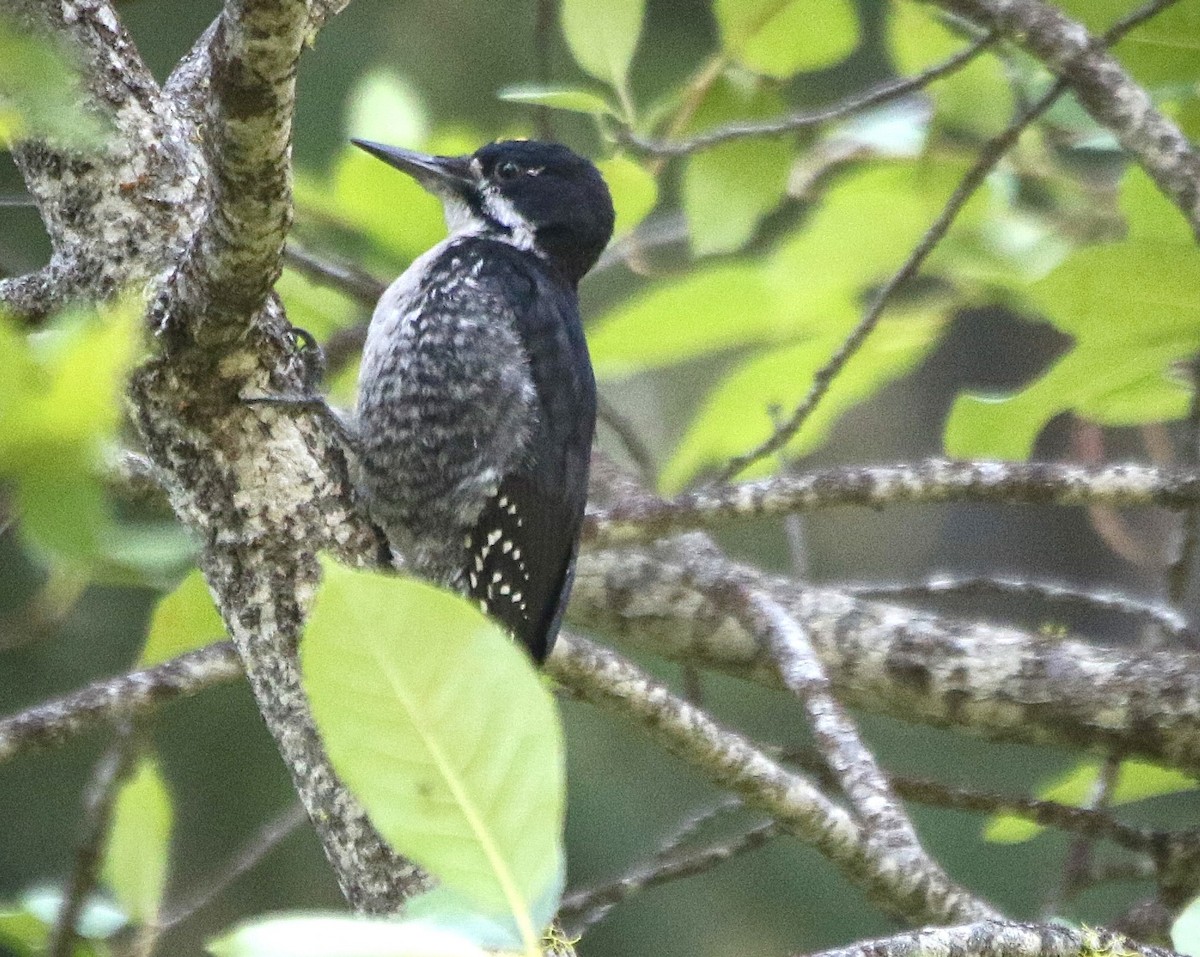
(446, 400)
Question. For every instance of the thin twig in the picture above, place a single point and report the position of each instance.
(989, 156)
(1179, 574)
(585, 908)
(100, 798)
(883, 93)
(346, 278)
(269, 836)
(1163, 616)
(627, 434)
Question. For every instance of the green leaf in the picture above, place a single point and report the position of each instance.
(779, 38)
(182, 621)
(40, 93)
(1185, 932)
(1132, 310)
(575, 99)
(727, 190)
(603, 36)
(977, 97)
(742, 411)
(811, 287)
(438, 723)
(340, 935)
(1136, 781)
(385, 107)
(135, 862)
(634, 190)
(59, 407)
(1163, 50)
(318, 309)
(23, 934)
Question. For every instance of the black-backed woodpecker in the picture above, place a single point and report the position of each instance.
(476, 401)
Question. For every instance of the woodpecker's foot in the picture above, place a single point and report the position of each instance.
(312, 357)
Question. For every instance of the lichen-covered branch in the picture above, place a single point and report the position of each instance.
(645, 518)
(115, 699)
(733, 763)
(1103, 88)
(979, 678)
(997, 939)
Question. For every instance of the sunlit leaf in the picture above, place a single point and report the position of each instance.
(1132, 310)
(728, 189)
(440, 726)
(1185, 932)
(574, 99)
(40, 93)
(182, 621)
(779, 38)
(137, 855)
(1136, 781)
(811, 287)
(603, 36)
(340, 935)
(977, 97)
(99, 919)
(59, 406)
(386, 108)
(22, 933)
(634, 190)
(1164, 49)
(743, 410)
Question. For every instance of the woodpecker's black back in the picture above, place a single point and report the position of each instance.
(476, 398)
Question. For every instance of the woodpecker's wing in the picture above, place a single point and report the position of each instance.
(521, 552)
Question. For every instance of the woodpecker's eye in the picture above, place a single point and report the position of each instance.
(507, 170)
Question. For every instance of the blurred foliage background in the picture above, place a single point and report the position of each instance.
(1031, 332)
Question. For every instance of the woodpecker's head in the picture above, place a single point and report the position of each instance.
(537, 196)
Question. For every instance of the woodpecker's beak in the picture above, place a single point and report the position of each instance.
(438, 174)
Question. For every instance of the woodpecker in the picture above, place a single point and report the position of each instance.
(476, 400)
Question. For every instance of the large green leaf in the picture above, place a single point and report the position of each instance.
(438, 723)
(811, 287)
(977, 97)
(727, 190)
(340, 935)
(40, 94)
(138, 852)
(1133, 312)
(780, 38)
(184, 620)
(634, 190)
(1136, 781)
(742, 411)
(604, 36)
(59, 406)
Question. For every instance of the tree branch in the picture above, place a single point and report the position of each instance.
(733, 763)
(1102, 87)
(646, 518)
(995, 939)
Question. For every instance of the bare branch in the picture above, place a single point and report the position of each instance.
(116, 699)
(346, 278)
(1162, 616)
(585, 908)
(885, 93)
(977, 678)
(646, 518)
(733, 763)
(102, 789)
(996, 939)
(1102, 87)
